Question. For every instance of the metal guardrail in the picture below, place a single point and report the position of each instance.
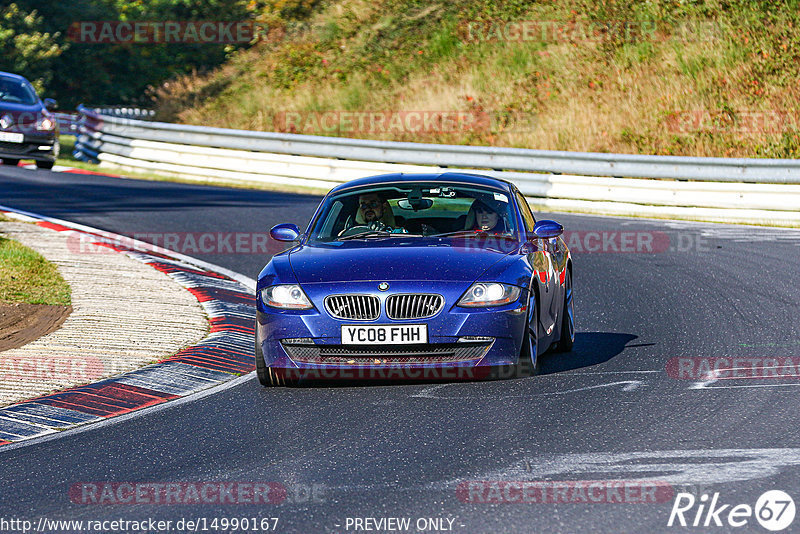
(498, 158)
(124, 112)
(68, 123)
(740, 190)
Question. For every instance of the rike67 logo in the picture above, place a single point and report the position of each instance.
(774, 510)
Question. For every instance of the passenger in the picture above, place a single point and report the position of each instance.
(485, 217)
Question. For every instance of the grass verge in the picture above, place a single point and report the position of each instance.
(26, 277)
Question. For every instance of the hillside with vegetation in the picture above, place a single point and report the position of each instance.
(684, 77)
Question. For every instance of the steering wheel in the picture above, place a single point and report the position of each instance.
(374, 226)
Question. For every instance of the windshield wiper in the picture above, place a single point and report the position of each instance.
(460, 232)
(376, 233)
(472, 233)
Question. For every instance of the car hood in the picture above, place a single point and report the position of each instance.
(379, 261)
(15, 109)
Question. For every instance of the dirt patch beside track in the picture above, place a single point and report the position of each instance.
(23, 323)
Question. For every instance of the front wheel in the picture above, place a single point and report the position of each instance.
(264, 376)
(567, 339)
(528, 357)
(267, 376)
(12, 162)
(47, 165)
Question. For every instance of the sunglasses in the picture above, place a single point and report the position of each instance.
(369, 205)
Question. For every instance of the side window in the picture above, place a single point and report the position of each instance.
(332, 224)
(527, 214)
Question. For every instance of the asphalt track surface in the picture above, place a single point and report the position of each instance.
(608, 410)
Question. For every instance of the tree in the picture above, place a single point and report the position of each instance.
(25, 48)
(41, 47)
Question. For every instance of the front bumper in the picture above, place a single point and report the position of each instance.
(36, 146)
(458, 338)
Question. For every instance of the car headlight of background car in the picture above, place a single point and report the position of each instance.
(486, 294)
(286, 297)
(45, 124)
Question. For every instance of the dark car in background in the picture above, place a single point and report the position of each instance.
(28, 128)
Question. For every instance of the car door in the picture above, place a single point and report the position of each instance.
(542, 261)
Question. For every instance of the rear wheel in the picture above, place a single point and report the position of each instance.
(45, 164)
(567, 339)
(8, 161)
(528, 358)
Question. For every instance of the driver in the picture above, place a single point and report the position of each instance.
(9, 88)
(373, 211)
(372, 208)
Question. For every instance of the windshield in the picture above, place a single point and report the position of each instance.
(16, 92)
(415, 209)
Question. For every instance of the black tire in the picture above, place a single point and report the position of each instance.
(261, 367)
(9, 161)
(47, 165)
(529, 361)
(567, 332)
(267, 376)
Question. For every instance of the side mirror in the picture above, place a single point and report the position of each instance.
(285, 232)
(50, 104)
(547, 229)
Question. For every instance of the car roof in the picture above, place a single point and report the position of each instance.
(14, 76)
(444, 177)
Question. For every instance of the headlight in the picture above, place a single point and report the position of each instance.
(285, 296)
(45, 124)
(485, 294)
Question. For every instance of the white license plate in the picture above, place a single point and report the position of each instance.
(10, 137)
(384, 334)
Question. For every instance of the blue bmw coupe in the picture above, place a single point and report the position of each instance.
(414, 276)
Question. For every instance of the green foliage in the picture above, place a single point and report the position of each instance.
(41, 49)
(25, 48)
(291, 9)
